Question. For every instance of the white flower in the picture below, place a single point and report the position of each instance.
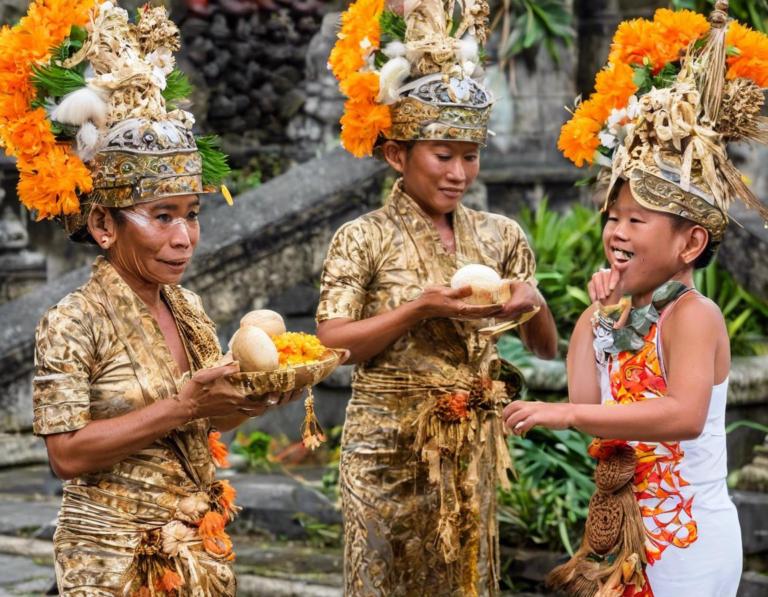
(469, 51)
(175, 535)
(608, 139)
(161, 58)
(616, 118)
(193, 507)
(394, 49)
(158, 77)
(391, 78)
(633, 108)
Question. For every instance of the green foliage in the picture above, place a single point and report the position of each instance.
(392, 27)
(320, 534)
(646, 80)
(547, 504)
(745, 315)
(53, 80)
(255, 448)
(215, 167)
(536, 22)
(177, 87)
(750, 12)
(568, 250)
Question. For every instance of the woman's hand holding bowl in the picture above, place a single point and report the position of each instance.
(440, 301)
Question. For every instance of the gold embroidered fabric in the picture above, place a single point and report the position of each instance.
(100, 354)
(392, 509)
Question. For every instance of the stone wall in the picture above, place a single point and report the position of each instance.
(247, 61)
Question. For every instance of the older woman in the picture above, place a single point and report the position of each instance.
(423, 444)
(129, 390)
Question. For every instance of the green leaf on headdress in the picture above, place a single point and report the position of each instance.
(177, 87)
(215, 167)
(392, 25)
(380, 59)
(77, 34)
(55, 81)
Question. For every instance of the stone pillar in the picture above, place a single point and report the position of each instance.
(21, 270)
(318, 123)
(754, 476)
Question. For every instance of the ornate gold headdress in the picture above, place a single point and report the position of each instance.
(88, 109)
(675, 92)
(412, 72)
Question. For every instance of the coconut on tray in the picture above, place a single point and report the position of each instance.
(487, 286)
(275, 360)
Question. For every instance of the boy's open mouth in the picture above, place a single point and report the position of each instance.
(621, 255)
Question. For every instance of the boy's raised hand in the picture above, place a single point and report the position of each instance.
(605, 286)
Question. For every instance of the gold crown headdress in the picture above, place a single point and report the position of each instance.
(675, 92)
(410, 72)
(88, 109)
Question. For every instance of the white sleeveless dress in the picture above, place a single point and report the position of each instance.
(692, 527)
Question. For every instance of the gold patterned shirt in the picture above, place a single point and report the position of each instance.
(418, 494)
(99, 355)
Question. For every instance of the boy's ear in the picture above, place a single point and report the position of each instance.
(696, 243)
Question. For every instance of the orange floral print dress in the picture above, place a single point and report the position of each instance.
(693, 541)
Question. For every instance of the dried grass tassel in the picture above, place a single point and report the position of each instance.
(612, 553)
(311, 433)
(712, 77)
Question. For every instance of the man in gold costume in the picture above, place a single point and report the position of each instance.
(129, 390)
(423, 445)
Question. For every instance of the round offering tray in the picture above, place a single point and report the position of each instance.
(287, 379)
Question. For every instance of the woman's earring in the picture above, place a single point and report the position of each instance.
(104, 240)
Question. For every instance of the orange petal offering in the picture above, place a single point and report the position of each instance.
(277, 362)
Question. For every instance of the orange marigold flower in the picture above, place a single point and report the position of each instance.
(683, 26)
(345, 59)
(361, 87)
(170, 581)
(361, 21)
(212, 525)
(597, 107)
(751, 60)
(614, 83)
(579, 141)
(634, 41)
(359, 35)
(298, 348)
(228, 495)
(51, 181)
(219, 546)
(218, 449)
(361, 126)
(452, 407)
(28, 135)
